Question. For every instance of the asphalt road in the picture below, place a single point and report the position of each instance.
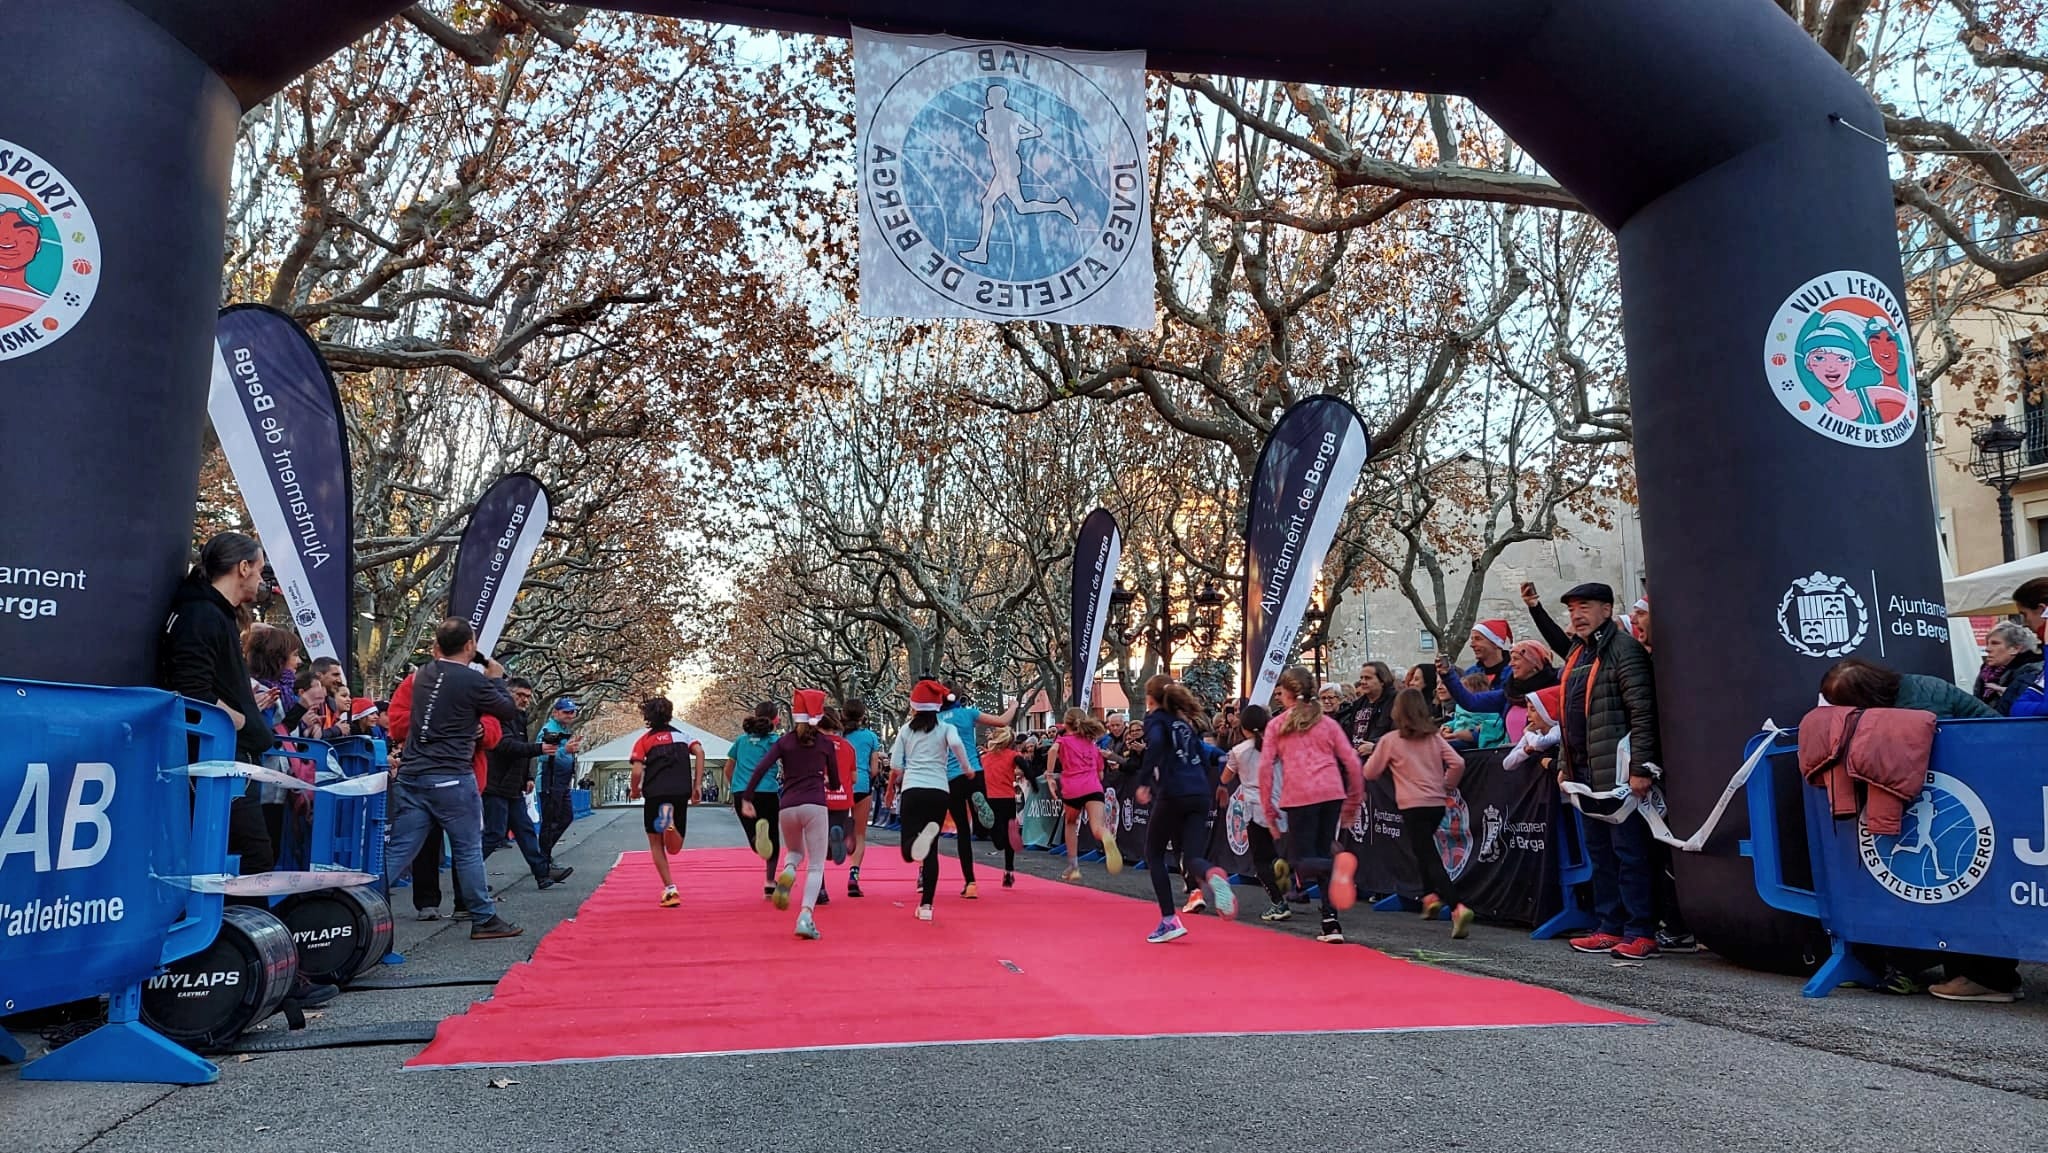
(1739, 1061)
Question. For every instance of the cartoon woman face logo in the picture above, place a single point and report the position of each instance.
(21, 241)
(1836, 366)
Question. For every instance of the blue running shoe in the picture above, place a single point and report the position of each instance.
(1169, 929)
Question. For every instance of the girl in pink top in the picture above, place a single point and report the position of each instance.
(1077, 762)
(1426, 771)
(1322, 769)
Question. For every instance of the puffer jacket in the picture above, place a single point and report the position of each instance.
(1621, 701)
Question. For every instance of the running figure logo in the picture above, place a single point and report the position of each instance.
(1001, 181)
(1005, 129)
(1943, 849)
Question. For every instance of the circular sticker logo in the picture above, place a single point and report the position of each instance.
(1839, 359)
(49, 253)
(1943, 849)
(1823, 616)
(1237, 825)
(1005, 180)
(1454, 836)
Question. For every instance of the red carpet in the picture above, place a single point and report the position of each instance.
(725, 974)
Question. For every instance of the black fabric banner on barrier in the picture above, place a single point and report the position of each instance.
(278, 416)
(1097, 549)
(490, 564)
(1305, 477)
(1495, 841)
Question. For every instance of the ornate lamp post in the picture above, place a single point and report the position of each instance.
(1996, 462)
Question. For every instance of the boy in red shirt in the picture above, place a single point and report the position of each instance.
(839, 800)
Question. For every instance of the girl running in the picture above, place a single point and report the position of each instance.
(970, 808)
(1174, 780)
(1321, 766)
(865, 745)
(1243, 772)
(999, 777)
(1076, 762)
(664, 774)
(1426, 768)
(919, 760)
(838, 798)
(765, 831)
(810, 768)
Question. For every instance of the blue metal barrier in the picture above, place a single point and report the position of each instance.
(579, 804)
(1967, 874)
(95, 816)
(1574, 868)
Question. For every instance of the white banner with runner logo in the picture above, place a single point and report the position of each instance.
(1002, 182)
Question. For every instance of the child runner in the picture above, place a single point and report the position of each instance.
(1177, 770)
(1426, 768)
(757, 733)
(999, 777)
(1076, 762)
(865, 745)
(963, 778)
(838, 797)
(664, 773)
(1320, 766)
(919, 760)
(810, 766)
(1243, 772)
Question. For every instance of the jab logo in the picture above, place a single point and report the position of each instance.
(1944, 847)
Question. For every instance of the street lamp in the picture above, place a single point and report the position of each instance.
(1209, 609)
(1161, 629)
(1997, 463)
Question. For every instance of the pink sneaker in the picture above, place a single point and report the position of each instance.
(1344, 881)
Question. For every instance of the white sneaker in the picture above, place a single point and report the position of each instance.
(924, 912)
(922, 846)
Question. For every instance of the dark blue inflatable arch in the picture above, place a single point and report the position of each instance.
(1710, 135)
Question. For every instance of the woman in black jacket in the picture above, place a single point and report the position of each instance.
(201, 658)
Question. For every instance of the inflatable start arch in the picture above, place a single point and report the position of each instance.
(1787, 516)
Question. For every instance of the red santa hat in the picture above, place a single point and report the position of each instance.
(1496, 631)
(1642, 603)
(361, 707)
(807, 706)
(927, 697)
(1548, 703)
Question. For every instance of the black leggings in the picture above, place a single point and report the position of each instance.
(923, 807)
(1418, 828)
(1185, 822)
(1264, 853)
(964, 824)
(1311, 837)
(1006, 811)
(767, 807)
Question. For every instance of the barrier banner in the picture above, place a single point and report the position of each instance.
(86, 819)
(275, 409)
(497, 546)
(1040, 815)
(1097, 550)
(1305, 477)
(1002, 181)
(1494, 839)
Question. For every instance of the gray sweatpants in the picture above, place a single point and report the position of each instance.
(804, 829)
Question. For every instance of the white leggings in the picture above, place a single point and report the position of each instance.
(804, 829)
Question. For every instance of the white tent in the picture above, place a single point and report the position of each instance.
(613, 758)
(1988, 592)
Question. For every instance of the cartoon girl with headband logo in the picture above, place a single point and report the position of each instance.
(1850, 364)
(21, 240)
